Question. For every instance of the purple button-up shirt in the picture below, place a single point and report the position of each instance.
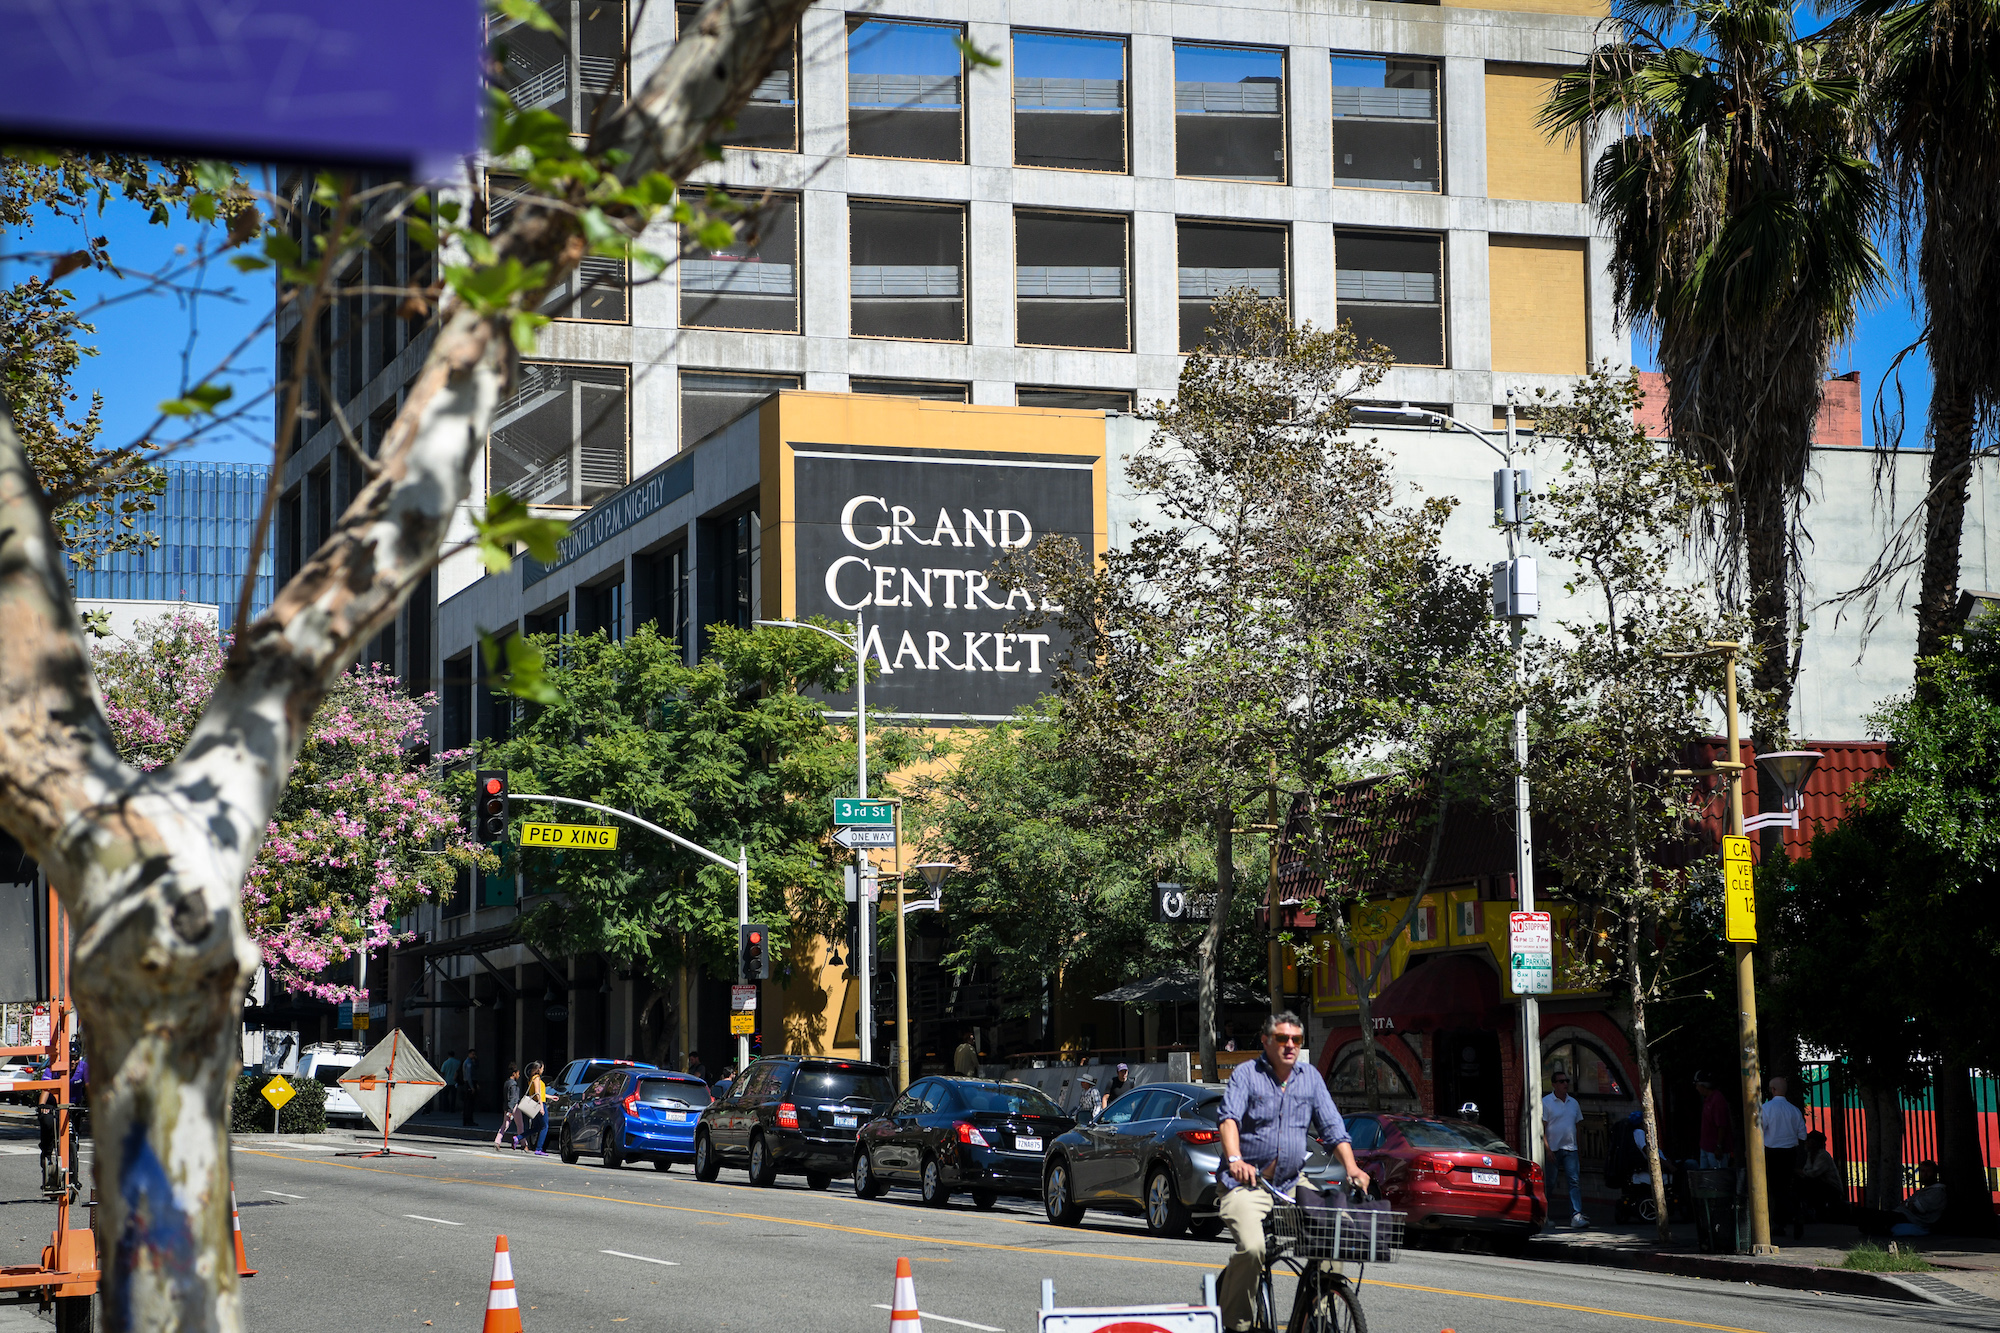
(1272, 1118)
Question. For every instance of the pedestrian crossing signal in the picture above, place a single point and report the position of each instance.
(489, 803)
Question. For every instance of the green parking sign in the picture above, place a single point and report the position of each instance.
(848, 810)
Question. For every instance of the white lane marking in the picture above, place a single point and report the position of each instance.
(18, 1152)
(417, 1217)
(668, 1263)
(947, 1319)
(281, 1194)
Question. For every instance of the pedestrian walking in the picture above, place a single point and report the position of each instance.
(1087, 1101)
(1784, 1137)
(698, 1067)
(468, 1085)
(1561, 1114)
(448, 1071)
(510, 1114)
(1718, 1131)
(1121, 1083)
(535, 1108)
(965, 1060)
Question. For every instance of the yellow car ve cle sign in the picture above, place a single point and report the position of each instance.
(590, 837)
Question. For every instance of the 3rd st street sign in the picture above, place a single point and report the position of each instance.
(850, 810)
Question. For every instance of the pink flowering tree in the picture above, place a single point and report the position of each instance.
(364, 831)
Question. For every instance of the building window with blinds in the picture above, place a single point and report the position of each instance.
(906, 267)
(905, 86)
(1069, 101)
(770, 119)
(1385, 124)
(1229, 112)
(1069, 280)
(562, 437)
(711, 400)
(931, 391)
(594, 292)
(1391, 289)
(580, 75)
(1081, 400)
(1218, 257)
(753, 284)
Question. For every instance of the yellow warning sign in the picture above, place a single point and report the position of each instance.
(587, 837)
(279, 1091)
(743, 1025)
(1739, 892)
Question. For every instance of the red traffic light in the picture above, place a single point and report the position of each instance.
(493, 785)
(756, 937)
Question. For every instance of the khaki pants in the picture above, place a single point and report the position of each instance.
(1243, 1209)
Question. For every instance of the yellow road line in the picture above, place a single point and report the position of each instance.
(972, 1244)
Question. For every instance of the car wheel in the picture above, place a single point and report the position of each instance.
(763, 1169)
(932, 1184)
(867, 1185)
(568, 1148)
(1166, 1215)
(1205, 1228)
(985, 1200)
(608, 1137)
(706, 1167)
(1057, 1201)
(818, 1180)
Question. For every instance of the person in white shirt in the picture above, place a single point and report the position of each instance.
(1561, 1113)
(1784, 1135)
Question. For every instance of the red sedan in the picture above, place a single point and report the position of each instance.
(1451, 1175)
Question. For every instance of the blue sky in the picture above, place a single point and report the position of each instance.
(141, 342)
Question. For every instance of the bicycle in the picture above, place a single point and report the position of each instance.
(1314, 1243)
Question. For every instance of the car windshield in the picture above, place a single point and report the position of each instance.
(1007, 1098)
(673, 1092)
(1452, 1136)
(841, 1084)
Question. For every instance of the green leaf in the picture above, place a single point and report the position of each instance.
(215, 177)
(202, 207)
(249, 263)
(530, 13)
(490, 289)
(479, 247)
(506, 522)
(526, 324)
(975, 57)
(526, 673)
(716, 234)
(421, 233)
(201, 398)
(280, 246)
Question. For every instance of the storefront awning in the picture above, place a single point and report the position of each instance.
(1454, 991)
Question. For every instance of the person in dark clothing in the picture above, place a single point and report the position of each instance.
(468, 1084)
(1718, 1130)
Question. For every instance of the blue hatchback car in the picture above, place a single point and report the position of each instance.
(636, 1115)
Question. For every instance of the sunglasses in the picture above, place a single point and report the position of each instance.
(1287, 1041)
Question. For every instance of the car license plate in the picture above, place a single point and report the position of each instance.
(678, 1117)
(1027, 1143)
(1486, 1177)
(846, 1121)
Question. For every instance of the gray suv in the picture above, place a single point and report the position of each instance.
(1153, 1152)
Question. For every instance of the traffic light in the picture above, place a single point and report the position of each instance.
(489, 806)
(754, 951)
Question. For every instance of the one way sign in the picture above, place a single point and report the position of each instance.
(865, 837)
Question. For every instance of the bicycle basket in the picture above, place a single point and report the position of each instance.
(1357, 1235)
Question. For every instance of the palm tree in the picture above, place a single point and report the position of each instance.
(1933, 67)
(1740, 205)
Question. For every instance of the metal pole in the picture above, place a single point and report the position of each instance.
(902, 970)
(866, 971)
(1524, 853)
(1746, 1010)
(742, 919)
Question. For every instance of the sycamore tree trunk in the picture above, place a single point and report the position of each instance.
(1210, 950)
(1642, 1051)
(150, 866)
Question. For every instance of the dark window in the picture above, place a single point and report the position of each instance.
(1088, 400)
(1069, 280)
(560, 438)
(1385, 124)
(594, 292)
(842, 1085)
(496, 720)
(422, 272)
(1229, 112)
(741, 577)
(660, 593)
(1069, 101)
(1453, 1136)
(459, 901)
(770, 120)
(1158, 1104)
(555, 620)
(1391, 289)
(382, 301)
(1124, 1110)
(1590, 1073)
(907, 269)
(936, 391)
(602, 608)
(711, 401)
(423, 612)
(1365, 1130)
(1008, 1098)
(572, 75)
(319, 507)
(352, 358)
(457, 702)
(1217, 257)
(291, 536)
(673, 1092)
(904, 84)
(753, 284)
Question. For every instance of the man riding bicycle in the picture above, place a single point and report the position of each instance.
(1266, 1110)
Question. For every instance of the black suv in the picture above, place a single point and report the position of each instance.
(792, 1113)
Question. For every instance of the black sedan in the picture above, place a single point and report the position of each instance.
(949, 1134)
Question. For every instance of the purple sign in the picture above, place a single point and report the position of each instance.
(363, 82)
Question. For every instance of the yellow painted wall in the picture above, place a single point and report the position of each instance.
(1522, 162)
(1540, 304)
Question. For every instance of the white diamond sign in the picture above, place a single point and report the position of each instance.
(392, 1082)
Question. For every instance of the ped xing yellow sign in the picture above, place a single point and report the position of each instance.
(1739, 891)
(279, 1091)
(585, 837)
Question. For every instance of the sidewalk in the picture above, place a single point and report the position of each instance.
(1968, 1275)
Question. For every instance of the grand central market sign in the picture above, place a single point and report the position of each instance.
(907, 538)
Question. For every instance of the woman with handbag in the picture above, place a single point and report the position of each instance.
(534, 1107)
(510, 1093)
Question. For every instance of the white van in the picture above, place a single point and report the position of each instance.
(326, 1062)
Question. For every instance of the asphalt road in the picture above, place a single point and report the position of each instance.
(406, 1243)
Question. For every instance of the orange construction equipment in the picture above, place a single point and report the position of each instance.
(903, 1316)
(503, 1307)
(243, 1268)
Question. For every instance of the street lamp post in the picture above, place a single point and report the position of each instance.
(865, 971)
(1514, 595)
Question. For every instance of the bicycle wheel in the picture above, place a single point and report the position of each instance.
(1267, 1305)
(1326, 1303)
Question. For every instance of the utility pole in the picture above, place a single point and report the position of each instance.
(902, 967)
(1274, 962)
(1524, 849)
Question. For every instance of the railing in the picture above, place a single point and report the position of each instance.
(904, 280)
(1092, 95)
(1072, 282)
(1208, 283)
(736, 277)
(1240, 99)
(1364, 284)
(1385, 103)
(904, 90)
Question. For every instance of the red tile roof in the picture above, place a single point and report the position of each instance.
(1837, 427)
(1842, 767)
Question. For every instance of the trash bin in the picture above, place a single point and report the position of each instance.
(1714, 1196)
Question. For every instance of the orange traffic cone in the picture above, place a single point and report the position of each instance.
(503, 1308)
(243, 1268)
(903, 1318)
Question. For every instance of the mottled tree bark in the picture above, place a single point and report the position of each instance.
(1952, 423)
(1209, 953)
